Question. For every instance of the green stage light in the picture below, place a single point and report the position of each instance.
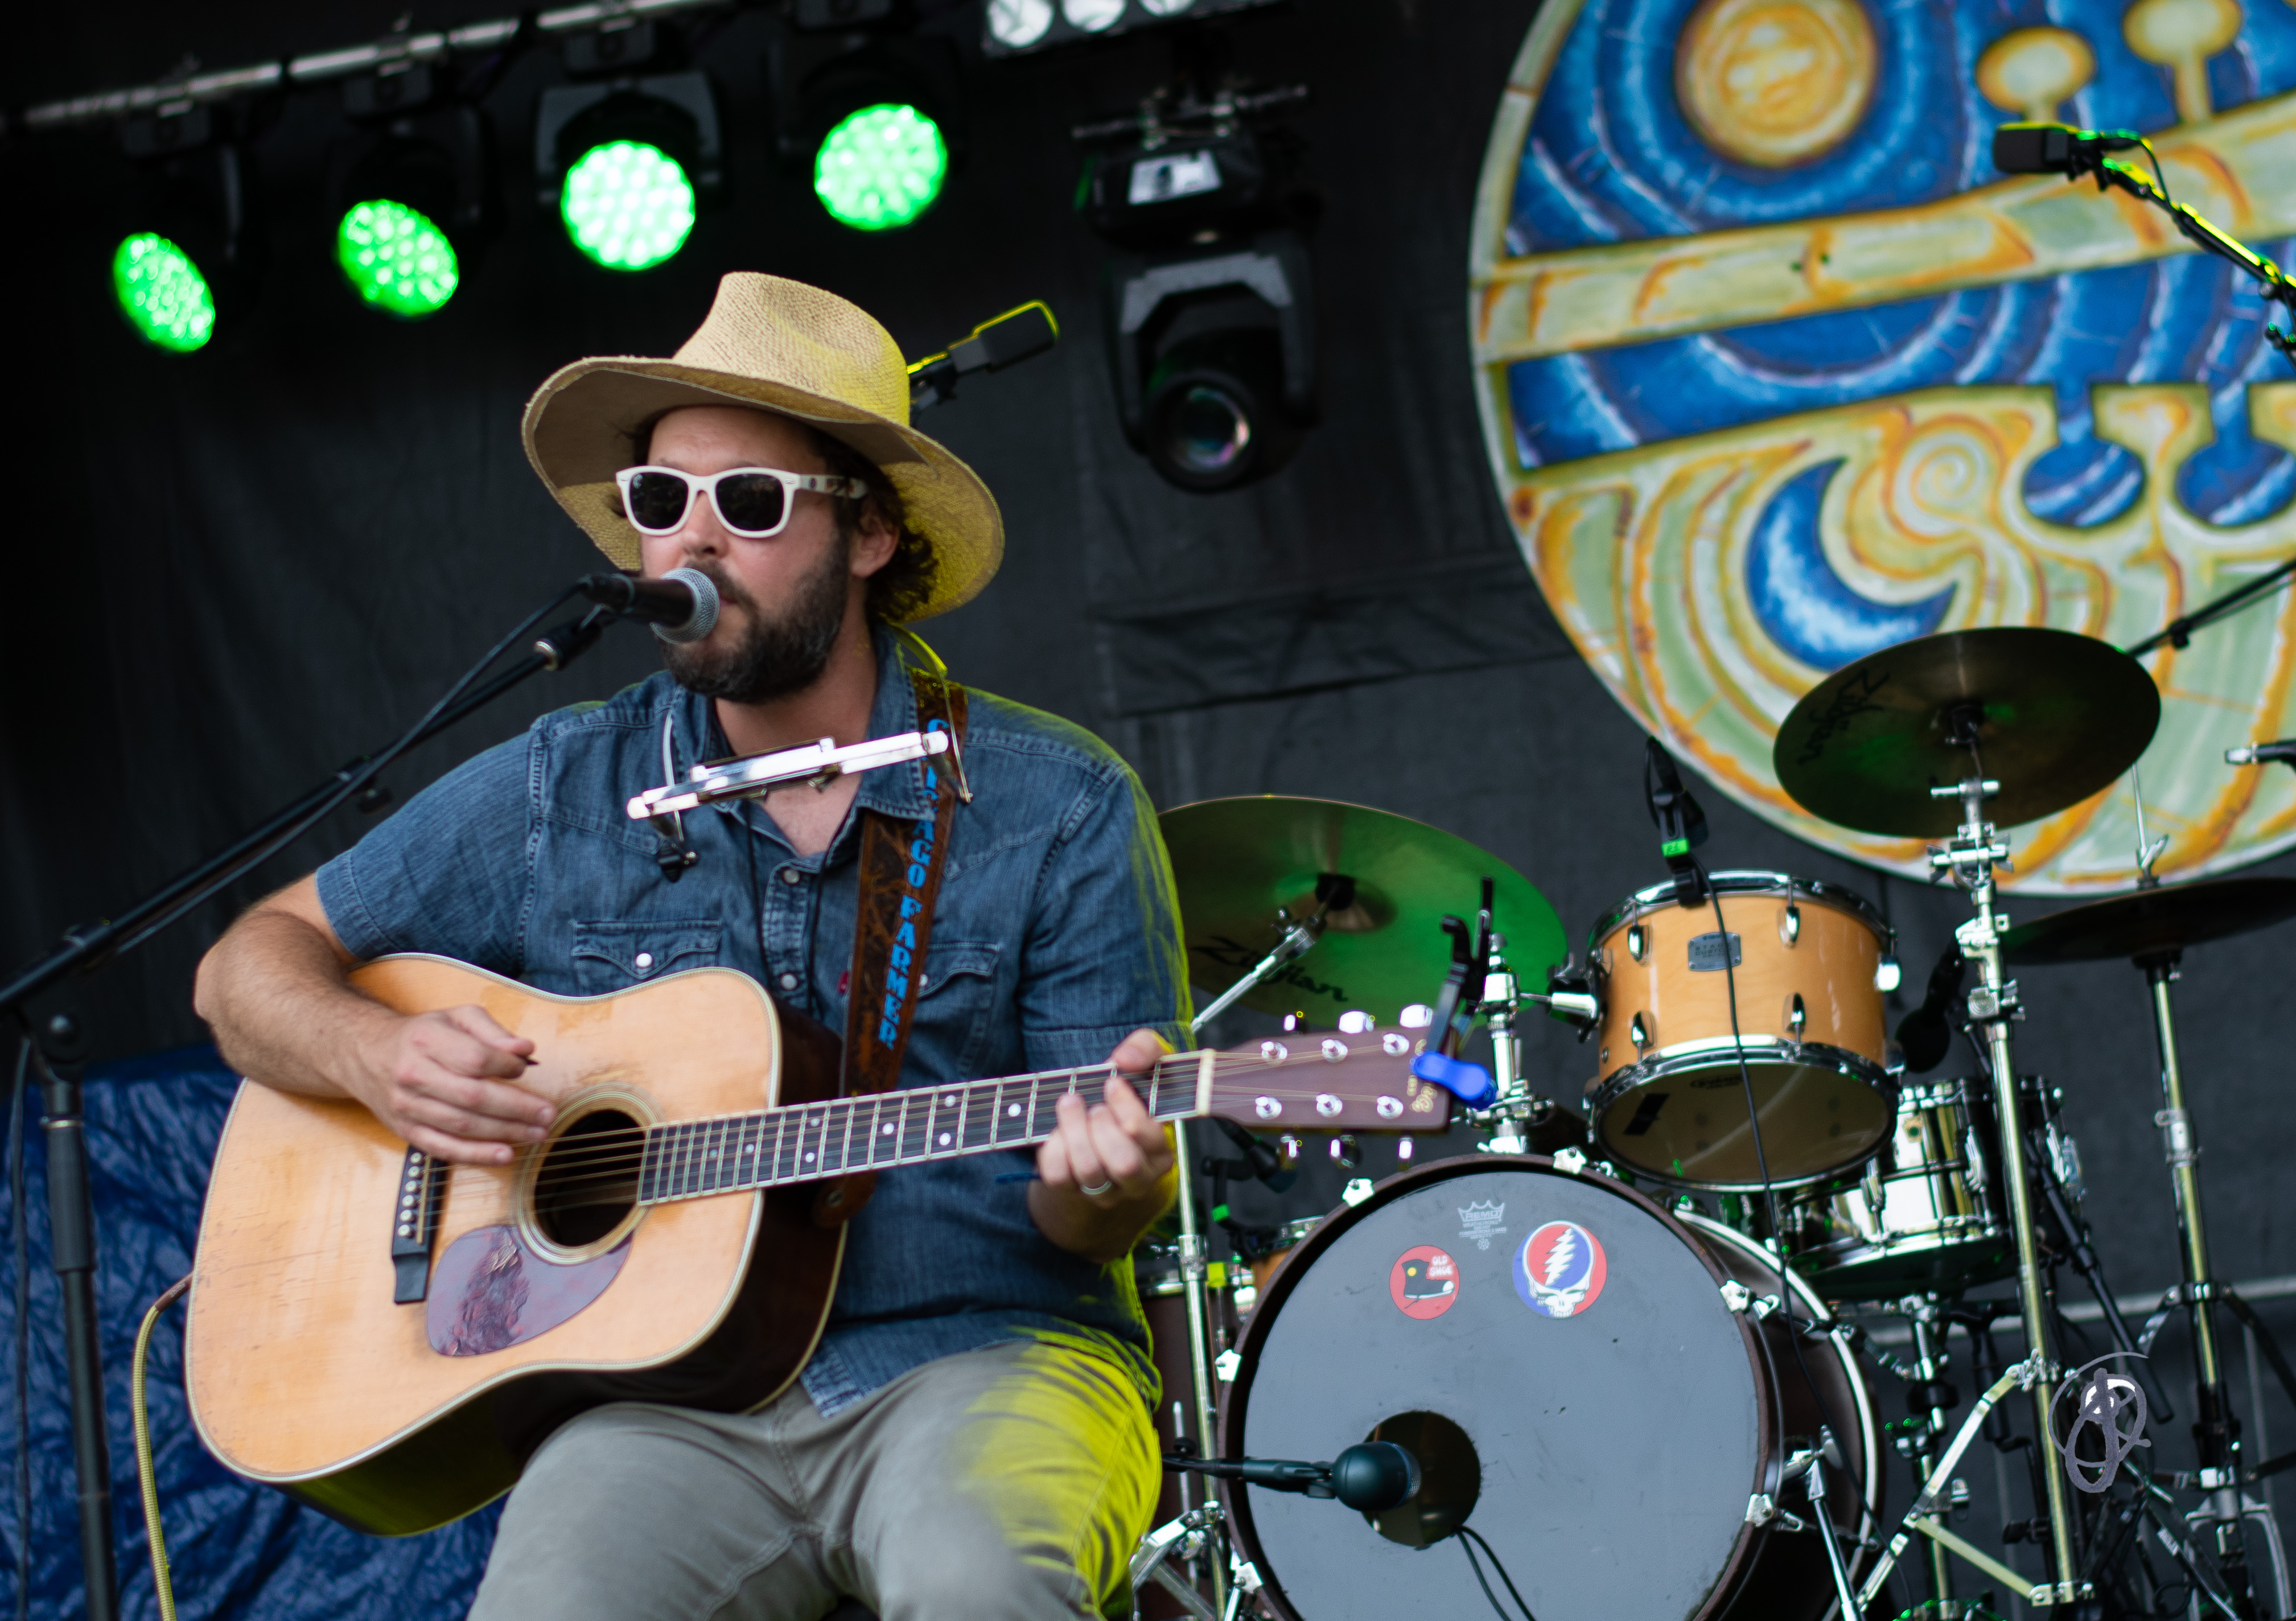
(881, 167)
(395, 258)
(628, 205)
(162, 293)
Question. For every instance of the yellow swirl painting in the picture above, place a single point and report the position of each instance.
(1775, 371)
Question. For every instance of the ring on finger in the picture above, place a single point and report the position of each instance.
(1096, 1188)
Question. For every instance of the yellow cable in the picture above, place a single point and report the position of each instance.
(144, 1472)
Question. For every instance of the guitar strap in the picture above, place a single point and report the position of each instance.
(902, 858)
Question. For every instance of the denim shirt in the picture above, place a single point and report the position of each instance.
(1057, 934)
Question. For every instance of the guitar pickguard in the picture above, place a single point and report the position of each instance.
(491, 1291)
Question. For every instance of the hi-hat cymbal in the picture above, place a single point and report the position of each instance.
(1238, 861)
(2055, 716)
(2151, 923)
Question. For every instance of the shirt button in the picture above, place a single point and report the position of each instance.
(789, 982)
(643, 960)
(790, 875)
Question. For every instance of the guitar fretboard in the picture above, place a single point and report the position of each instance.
(693, 1159)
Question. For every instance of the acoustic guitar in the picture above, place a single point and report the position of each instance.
(389, 1337)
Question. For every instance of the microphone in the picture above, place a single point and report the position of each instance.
(2056, 148)
(1926, 1035)
(1371, 1476)
(682, 605)
(2260, 754)
(1681, 823)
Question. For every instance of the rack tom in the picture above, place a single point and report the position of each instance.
(1810, 962)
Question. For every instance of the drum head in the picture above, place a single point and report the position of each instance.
(1559, 1352)
(1681, 1117)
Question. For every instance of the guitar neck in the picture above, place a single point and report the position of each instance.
(694, 1159)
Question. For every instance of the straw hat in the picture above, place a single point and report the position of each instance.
(791, 349)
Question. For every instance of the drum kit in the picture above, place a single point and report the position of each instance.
(1626, 1344)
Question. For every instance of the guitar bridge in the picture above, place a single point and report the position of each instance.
(415, 1222)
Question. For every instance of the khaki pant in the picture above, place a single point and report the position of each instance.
(1008, 1484)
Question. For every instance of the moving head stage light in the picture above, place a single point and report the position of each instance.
(1017, 26)
(1209, 300)
(627, 160)
(184, 255)
(867, 112)
(412, 192)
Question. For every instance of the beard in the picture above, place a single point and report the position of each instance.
(777, 655)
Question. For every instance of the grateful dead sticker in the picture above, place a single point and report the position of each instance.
(1424, 1282)
(1560, 1269)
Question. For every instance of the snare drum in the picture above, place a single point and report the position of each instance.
(1931, 1220)
(1810, 962)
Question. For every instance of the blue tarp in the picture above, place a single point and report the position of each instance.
(238, 1550)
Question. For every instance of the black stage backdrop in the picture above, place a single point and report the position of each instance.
(231, 572)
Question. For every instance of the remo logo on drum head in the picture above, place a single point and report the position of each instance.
(1560, 1269)
(1424, 1282)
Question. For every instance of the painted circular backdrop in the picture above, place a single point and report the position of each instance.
(1776, 371)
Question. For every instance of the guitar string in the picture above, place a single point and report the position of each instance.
(1089, 1086)
(623, 1157)
(601, 1153)
(1090, 1090)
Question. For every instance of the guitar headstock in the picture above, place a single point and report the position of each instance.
(1336, 1081)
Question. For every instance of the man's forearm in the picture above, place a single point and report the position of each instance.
(274, 990)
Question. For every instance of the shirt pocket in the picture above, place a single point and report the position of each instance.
(954, 998)
(614, 956)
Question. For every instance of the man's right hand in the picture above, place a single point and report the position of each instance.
(438, 1080)
(276, 990)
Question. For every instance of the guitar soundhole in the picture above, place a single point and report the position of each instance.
(588, 1179)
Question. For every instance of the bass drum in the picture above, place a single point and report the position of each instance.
(1557, 1352)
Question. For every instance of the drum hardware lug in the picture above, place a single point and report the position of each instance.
(1570, 1161)
(2176, 1132)
(1790, 924)
(1761, 1508)
(1797, 1015)
(1638, 942)
(1638, 1032)
(1972, 1153)
(1738, 1297)
(1887, 975)
(1227, 1364)
(1356, 1192)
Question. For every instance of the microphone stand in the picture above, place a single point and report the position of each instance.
(62, 1047)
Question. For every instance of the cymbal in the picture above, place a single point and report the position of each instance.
(2151, 923)
(2057, 716)
(1238, 860)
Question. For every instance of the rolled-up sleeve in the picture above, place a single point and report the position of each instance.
(449, 873)
(1104, 955)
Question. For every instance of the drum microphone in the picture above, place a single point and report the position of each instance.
(682, 605)
(1926, 1035)
(1371, 1476)
(2259, 754)
(2056, 148)
(1681, 823)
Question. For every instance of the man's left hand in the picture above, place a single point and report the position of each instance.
(1106, 1172)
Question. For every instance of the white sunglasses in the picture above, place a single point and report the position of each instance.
(751, 502)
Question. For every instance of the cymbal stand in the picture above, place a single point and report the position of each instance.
(1970, 856)
(2216, 1432)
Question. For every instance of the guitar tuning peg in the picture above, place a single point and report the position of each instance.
(1295, 1024)
(1344, 1151)
(1354, 1021)
(1418, 1016)
(1288, 1147)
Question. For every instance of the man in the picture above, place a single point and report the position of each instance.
(971, 1438)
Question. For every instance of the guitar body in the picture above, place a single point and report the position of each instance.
(305, 1373)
